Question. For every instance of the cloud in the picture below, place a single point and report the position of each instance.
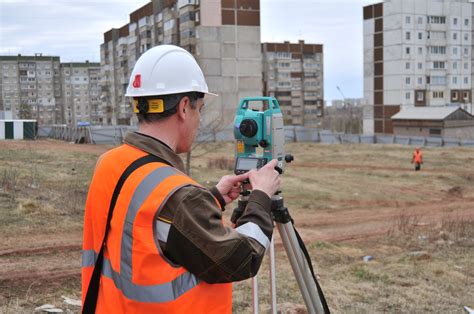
(74, 29)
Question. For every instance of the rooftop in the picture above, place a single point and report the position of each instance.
(425, 113)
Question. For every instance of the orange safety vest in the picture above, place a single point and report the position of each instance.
(417, 157)
(136, 277)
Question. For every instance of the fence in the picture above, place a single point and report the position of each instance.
(115, 134)
(86, 134)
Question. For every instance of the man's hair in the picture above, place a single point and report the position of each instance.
(170, 101)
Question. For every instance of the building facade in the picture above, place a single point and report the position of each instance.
(80, 92)
(223, 36)
(449, 122)
(30, 88)
(293, 73)
(416, 53)
(44, 89)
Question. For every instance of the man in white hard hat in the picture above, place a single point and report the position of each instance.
(154, 240)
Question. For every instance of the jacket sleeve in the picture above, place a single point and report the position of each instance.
(198, 241)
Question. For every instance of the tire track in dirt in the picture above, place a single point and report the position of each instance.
(39, 259)
(40, 250)
(43, 276)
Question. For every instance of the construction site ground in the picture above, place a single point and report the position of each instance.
(415, 229)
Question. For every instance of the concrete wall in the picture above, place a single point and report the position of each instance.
(232, 64)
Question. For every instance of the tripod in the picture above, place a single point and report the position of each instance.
(297, 255)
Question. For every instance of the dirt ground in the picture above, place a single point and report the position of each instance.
(40, 262)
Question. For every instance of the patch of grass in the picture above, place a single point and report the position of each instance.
(362, 273)
(359, 181)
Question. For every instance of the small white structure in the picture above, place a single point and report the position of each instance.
(18, 129)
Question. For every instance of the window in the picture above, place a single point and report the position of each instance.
(407, 35)
(466, 80)
(436, 35)
(407, 95)
(455, 21)
(455, 80)
(437, 50)
(283, 64)
(285, 55)
(454, 95)
(455, 65)
(465, 95)
(420, 66)
(455, 36)
(455, 51)
(407, 65)
(407, 20)
(466, 51)
(420, 80)
(436, 19)
(466, 66)
(420, 35)
(438, 80)
(407, 50)
(419, 96)
(407, 81)
(466, 37)
(466, 22)
(435, 131)
(439, 65)
(420, 50)
(437, 94)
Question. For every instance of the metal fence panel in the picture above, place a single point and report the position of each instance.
(350, 138)
(451, 142)
(417, 141)
(434, 141)
(384, 139)
(467, 143)
(44, 131)
(403, 140)
(116, 134)
(367, 139)
(330, 138)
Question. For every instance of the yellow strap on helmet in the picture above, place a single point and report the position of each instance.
(154, 106)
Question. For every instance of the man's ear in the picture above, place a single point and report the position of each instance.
(183, 107)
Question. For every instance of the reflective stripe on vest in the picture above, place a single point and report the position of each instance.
(164, 292)
(155, 293)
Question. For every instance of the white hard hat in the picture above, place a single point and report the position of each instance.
(165, 70)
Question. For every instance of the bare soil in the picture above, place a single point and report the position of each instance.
(40, 262)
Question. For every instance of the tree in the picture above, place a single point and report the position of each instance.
(25, 111)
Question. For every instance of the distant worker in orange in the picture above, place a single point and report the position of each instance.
(417, 158)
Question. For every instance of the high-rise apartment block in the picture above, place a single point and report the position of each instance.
(223, 36)
(293, 73)
(42, 88)
(81, 93)
(30, 87)
(416, 53)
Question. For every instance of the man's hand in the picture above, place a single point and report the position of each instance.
(229, 186)
(266, 179)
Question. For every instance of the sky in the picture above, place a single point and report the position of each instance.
(73, 30)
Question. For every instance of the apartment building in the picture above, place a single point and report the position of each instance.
(80, 92)
(223, 35)
(30, 87)
(293, 73)
(416, 53)
(42, 88)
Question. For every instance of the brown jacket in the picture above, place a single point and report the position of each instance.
(197, 239)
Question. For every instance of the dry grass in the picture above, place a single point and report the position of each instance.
(348, 201)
